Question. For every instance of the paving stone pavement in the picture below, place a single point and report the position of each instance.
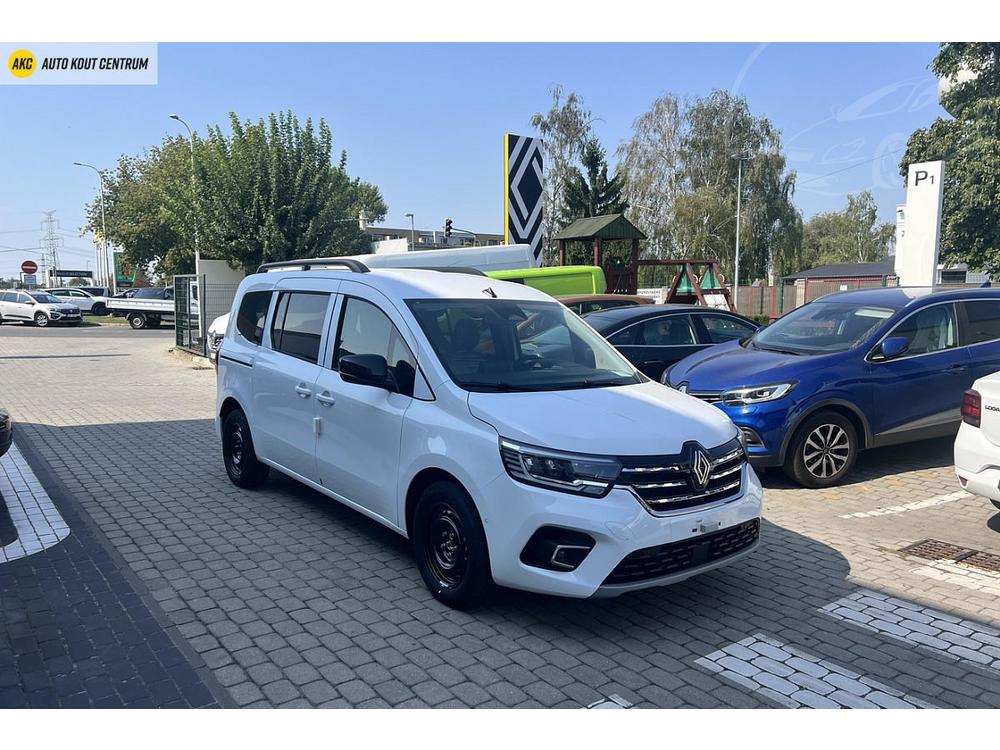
(289, 599)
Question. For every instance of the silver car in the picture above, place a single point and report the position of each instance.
(39, 308)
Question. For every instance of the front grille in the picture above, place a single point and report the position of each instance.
(668, 483)
(676, 557)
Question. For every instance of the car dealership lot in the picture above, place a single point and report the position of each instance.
(282, 597)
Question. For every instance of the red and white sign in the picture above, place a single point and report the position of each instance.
(29, 266)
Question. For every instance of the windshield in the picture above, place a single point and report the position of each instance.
(821, 328)
(45, 298)
(514, 345)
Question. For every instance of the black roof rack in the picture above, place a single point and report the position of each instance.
(355, 266)
(444, 269)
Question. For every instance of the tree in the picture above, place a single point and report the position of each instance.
(970, 145)
(263, 191)
(680, 175)
(77, 281)
(590, 192)
(649, 165)
(853, 235)
(564, 130)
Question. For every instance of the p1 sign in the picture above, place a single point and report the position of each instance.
(917, 255)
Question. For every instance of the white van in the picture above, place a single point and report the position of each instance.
(484, 421)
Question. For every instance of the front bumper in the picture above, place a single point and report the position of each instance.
(57, 316)
(977, 463)
(619, 525)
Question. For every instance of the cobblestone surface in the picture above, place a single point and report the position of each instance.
(291, 599)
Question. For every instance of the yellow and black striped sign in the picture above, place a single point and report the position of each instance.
(523, 192)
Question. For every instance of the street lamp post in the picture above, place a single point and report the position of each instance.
(413, 237)
(102, 261)
(739, 197)
(194, 213)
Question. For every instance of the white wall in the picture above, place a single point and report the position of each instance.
(920, 242)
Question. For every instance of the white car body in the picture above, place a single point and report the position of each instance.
(82, 299)
(977, 448)
(21, 306)
(217, 332)
(368, 448)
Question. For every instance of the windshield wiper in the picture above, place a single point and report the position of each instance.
(498, 387)
(778, 349)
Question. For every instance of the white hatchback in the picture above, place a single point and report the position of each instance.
(977, 446)
(484, 421)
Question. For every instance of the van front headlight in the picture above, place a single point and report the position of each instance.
(576, 473)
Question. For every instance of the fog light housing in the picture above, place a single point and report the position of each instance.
(553, 548)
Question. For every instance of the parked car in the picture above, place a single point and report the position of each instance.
(583, 304)
(87, 302)
(6, 432)
(849, 371)
(97, 291)
(413, 397)
(216, 332)
(654, 337)
(977, 447)
(39, 308)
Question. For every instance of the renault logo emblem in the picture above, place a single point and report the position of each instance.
(701, 468)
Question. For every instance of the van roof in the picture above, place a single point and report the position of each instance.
(414, 283)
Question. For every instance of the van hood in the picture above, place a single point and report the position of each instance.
(730, 365)
(645, 419)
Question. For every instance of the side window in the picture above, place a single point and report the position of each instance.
(929, 330)
(721, 328)
(298, 324)
(250, 317)
(628, 336)
(24, 299)
(6, 297)
(364, 329)
(984, 321)
(673, 330)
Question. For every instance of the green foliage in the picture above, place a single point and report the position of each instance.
(970, 146)
(590, 192)
(680, 176)
(267, 190)
(77, 281)
(853, 235)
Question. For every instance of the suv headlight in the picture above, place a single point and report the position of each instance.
(576, 473)
(756, 394)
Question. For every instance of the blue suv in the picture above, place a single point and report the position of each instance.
(849, 371)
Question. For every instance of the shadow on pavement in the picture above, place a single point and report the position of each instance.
(204, 547)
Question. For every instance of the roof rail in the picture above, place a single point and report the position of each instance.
(306, 264)
(443, 269)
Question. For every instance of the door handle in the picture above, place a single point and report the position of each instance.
(303, 391)
(325, 399)
(956, 369)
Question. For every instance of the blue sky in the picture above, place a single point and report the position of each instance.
(425, 122)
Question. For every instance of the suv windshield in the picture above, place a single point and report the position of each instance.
(514, 345)
(821, 328)
(45, 298)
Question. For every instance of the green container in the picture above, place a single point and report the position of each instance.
(557, 280)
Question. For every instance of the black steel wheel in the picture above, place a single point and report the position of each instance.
(238, 453)
(450, 546)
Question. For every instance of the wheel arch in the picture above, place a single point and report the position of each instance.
(838, 406)
(424, 479)
(229, 405)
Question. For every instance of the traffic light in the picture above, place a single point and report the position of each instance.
(447, 228)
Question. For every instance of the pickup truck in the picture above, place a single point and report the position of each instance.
(147, 308)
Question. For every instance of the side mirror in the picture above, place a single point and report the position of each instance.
(365, 369)
(892, 347)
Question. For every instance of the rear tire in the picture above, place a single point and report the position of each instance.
(823, 451)
(242, 466)
(996, 503)
(137, 321)
(41, 320)
(449, 545)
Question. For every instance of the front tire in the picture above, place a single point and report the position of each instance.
(99, 309)
(449, 545)
(137, 321)
(41, 319)
(238, 453)
(823, 450)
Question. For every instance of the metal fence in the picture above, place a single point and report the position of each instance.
(196, 304)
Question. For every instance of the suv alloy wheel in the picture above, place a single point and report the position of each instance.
(41, 319)
(823, 450)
